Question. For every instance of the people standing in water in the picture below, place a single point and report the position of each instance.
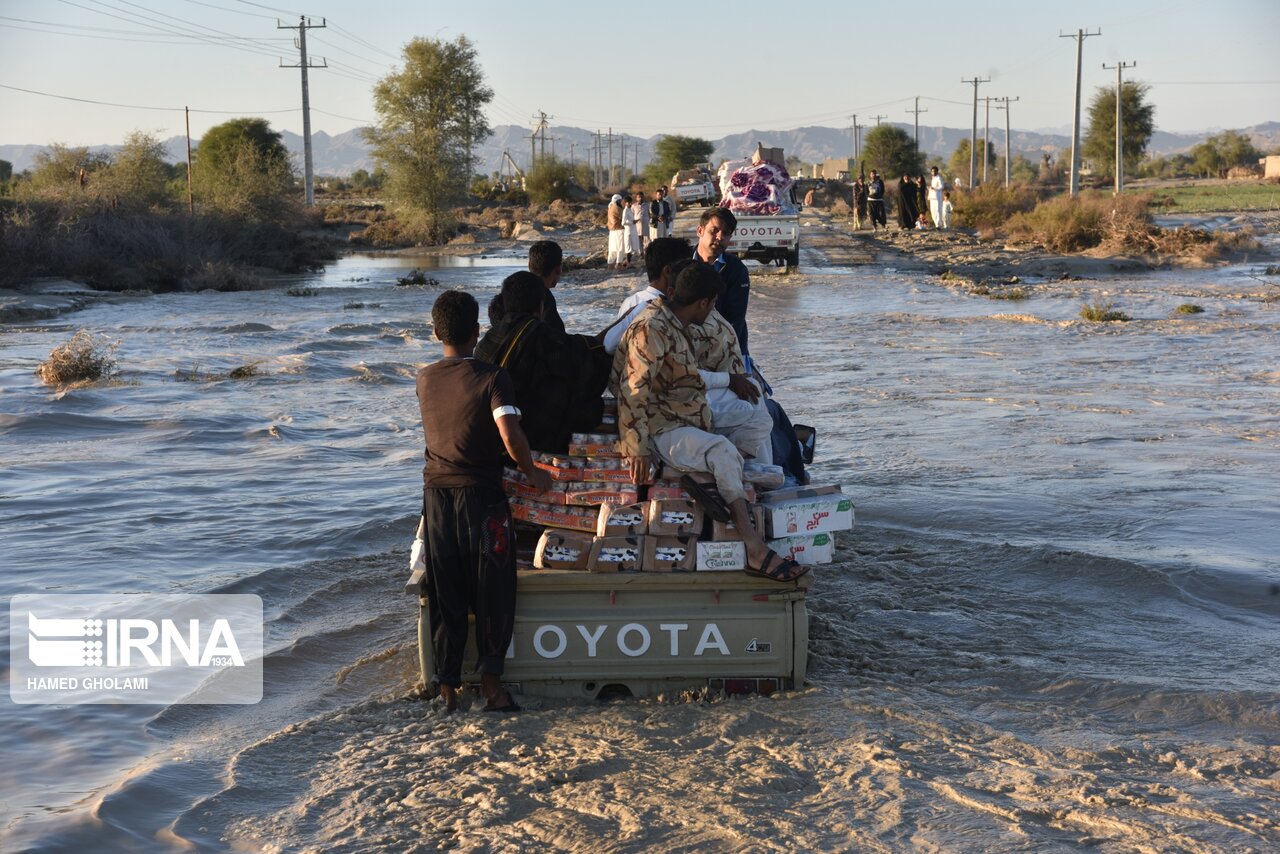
(469, 417)
(875, 201)
(859, 202)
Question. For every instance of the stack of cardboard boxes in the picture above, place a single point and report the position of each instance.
(596, 519)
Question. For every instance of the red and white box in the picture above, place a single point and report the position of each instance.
(807, 549)
(550, 516)
(594, 494)
(594, 445)
(808, 510)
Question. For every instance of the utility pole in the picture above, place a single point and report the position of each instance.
(986, 137)
(622, 157)
(540, 129)
(300, 43)
(610, 137)
(973, 134)
(1119, 67)
(635, 157)
(191, 199)
(918, 110)
(1008, 150)
(878, 118)
(856, 153)
(533, 150)
(1079, 36)
(572, 145)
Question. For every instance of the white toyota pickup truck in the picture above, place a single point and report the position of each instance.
(768, 239)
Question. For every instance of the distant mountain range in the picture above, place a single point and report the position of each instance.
(344, 153)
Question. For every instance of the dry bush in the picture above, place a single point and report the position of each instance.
(82, 359)
(989, 207)
(1067, 224)
(1102, 312)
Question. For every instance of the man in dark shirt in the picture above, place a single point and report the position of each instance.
(715, 230)
(558, 378)
(469, 416)
(875, 201)
(546, 259)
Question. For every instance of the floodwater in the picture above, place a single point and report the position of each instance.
(1057, 622)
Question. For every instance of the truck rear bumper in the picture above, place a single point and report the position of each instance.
(581, 634)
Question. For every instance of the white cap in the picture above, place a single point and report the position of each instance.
(616, 198)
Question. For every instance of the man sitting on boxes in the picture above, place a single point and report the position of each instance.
(663, 412)
(558, 377)
(737, 407)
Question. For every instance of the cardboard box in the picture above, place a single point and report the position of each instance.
(572, 518)
(721, 531)
(563, 550)
(670, 554)
(808, 549)
(622, 520)
(673, 489)
(824, 512)
(730, 556)
(593, 494)
(594, 445)
(560, 468)
(674, 516)
(602, 475)
(516, 485)
(616, 554)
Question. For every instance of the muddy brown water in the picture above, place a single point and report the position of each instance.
(1055, 623)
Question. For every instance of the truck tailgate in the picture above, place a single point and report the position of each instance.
(578, 633)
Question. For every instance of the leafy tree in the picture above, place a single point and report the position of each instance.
(139, 174)
(673, 153)
(958, 165)
(892, 151)
(1217, 154)
(6, 174)
(1138, 119)
(430, 120)
(242, 169)
(221, 143)
(550, 179)
(61, 169)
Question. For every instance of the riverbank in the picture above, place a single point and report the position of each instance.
(959, 255)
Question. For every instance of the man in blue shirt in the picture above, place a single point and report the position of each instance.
(715, 229)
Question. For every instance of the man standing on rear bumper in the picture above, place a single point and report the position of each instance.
(469, 416)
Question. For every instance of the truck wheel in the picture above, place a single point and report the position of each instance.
(793, 258)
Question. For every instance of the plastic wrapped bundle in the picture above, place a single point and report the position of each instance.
(759, 189)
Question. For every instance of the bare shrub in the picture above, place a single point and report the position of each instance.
(989, 207)
(85, 358)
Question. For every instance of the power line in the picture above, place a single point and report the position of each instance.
(149, 107)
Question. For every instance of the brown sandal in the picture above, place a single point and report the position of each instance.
(778, 568)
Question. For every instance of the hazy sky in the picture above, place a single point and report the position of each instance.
(642, 67)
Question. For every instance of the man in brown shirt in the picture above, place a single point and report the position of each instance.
(663, 411)
(469, 416)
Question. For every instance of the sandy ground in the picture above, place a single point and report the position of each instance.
(904, 739)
